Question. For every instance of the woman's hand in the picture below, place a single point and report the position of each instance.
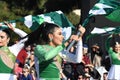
(10, 26)
(75, 37)
(82, 30)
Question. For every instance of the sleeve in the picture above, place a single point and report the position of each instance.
(107, 45)
(74, 57)
(43, 54)
(20, 32)
(15, 49)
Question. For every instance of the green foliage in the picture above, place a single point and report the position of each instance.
(41, 4)
(5, 14)
(63, 5)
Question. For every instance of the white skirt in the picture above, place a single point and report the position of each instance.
(114, 72)
(5, 76)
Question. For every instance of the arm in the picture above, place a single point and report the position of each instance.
(15, 49)
(17, 70)
(94, 73)
(16, 30)
(73, 57)
(46, 52)
(20, 32)
(107, 45)
(78, 53)
(110, 50)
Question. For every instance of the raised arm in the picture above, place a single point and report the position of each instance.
(107, 45)
(15, 49)
(20, 32)
(76, 56)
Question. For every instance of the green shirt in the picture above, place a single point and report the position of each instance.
(3, 67)
(46, 54)
(113, 55)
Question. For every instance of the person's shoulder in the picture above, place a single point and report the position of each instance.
(22, 50)
(37, 46)
(42, 47)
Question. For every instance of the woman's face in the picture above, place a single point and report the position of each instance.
(117, 48)
(3, 39)
(32, 56)
(57, 37)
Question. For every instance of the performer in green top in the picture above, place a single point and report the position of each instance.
(8, 53)
(114, 52)
(50, 44)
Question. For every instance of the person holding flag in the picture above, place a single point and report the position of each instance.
(8, 53)
(49, 40)
(114, 52)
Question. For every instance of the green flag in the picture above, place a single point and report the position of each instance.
(106, 30)
(114, 16)
(109, 8)
(56, 17)
(105, 7)
(103, 31)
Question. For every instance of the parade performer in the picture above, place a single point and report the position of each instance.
(49, 49)
(114, 53)
(8, 53)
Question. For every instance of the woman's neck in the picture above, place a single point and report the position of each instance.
(2, 46)
(51, 44)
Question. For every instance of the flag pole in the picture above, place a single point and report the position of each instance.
(78, 33)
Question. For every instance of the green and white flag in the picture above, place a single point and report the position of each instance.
(114, 16)
(105, 7)
(108, 30)
(102, 30)
(109, 8)
(56, 17)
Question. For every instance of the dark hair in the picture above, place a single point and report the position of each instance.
(40, 35)
(7, 31)
(115, 38)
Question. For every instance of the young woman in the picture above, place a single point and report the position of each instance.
(114, 53)
(49, 41)
(8, 53)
